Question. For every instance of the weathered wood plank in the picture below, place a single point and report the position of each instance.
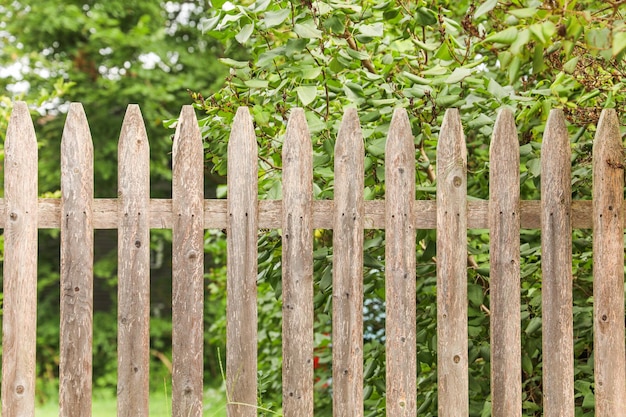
(75, 367)
(452, 365)
(347, 325)
(133, 326)
(19, 318)
(241, 307)
(608, 268)
(270, 214)
(187, 266)
(297, 269)
(556, 257)
(504, 218)
(400, 296)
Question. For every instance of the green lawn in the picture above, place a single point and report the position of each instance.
(105, 405)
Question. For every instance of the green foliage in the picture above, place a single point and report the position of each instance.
(327, 55)
(105, 54)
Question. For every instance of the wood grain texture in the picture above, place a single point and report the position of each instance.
(608, 268)
(75, 367)
(19, 309)
(133, 325)
(270, 214)
(556, 257)
(297, 269)
(187, 267)
(452, 365)
(242, 231)
(347, 325)
(504, 219)
(400, 285)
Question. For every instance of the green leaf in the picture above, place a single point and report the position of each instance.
(208, 24)
(374, 31)
(295, 45)
(376, 147)
(475, 295)
(335, 24)
(458, 75)
(307, 30)
(485, 8)
(496, 89)
(256, 83)
(506, 36)
(533, 325)
(520, 42)
(244, 34)
(425, 17)
(537, 30)
(311, 73)
(523, 13)
(570, 66)
(275, 18)
(233, 63)
(306, 94)
(619, 43)
(357, 54)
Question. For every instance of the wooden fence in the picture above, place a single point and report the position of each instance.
(188, 214)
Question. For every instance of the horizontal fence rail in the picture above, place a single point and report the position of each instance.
(77, 213)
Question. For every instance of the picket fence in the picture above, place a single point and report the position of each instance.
(188, 214)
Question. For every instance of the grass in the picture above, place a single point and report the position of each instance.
(104, 404)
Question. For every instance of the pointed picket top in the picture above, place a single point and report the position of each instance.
(297, 137)
(20, 158)
(504, 146)
(555, 143)
(187, 149)
(607, 134)
(76, 154)
(451, 138)
(133, 142)
(21, 131)
(242, 143)
(399, 138)
(349, 138)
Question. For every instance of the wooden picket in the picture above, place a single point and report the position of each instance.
(608, 268)
(241, 305)
(242, 214)
(187, 267)
(400, 268)
(452, 364)
(556, 265)
(504, 202)
(133, 269)
(20, 250)
(297, 269)
(75, 359)
(348, 269)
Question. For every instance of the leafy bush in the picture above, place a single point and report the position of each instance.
(327, 55)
